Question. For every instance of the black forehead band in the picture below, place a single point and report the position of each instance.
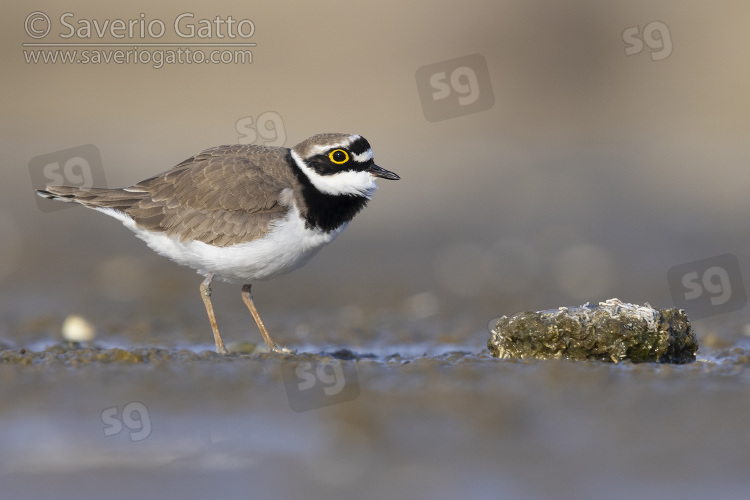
(359, 146)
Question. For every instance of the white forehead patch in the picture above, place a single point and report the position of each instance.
(347, 182)
(363, 157)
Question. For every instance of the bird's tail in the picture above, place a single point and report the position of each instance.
(118, 199)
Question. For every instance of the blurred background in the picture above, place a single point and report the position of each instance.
(550, 154)
(614, 147)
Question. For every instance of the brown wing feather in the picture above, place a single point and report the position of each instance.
(223, 196)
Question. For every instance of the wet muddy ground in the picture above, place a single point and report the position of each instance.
(377, 417)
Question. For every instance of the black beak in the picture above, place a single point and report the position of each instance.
(381, 172)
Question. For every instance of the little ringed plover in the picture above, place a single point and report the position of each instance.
(244, 213)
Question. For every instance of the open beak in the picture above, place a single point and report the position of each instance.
(381, 172)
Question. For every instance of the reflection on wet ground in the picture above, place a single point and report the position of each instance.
(423, 420)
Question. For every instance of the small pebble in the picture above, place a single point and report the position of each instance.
(76, 328)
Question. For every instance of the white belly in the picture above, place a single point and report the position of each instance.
(286, 247)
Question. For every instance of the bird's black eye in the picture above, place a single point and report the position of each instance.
(339, 156)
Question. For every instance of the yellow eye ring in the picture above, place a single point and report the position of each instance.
(338, 156)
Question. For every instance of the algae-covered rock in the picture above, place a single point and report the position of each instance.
(611, 331)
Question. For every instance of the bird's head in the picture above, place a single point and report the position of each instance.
(340, 164)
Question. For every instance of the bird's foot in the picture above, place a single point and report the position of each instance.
(281, 350)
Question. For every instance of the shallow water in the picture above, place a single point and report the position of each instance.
(435, 419)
